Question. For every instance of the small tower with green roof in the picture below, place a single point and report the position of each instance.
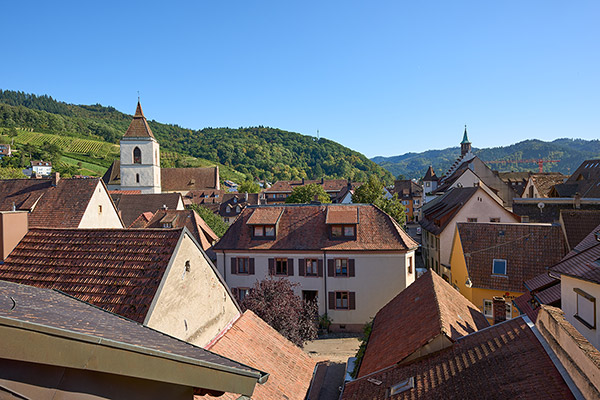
(465, 145)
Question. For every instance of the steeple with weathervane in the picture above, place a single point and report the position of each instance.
(465, 145)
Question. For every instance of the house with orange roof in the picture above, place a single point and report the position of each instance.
(352, 258)
(337, 189)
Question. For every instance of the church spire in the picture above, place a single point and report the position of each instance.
(139, 127)
(465, 145)
(465, 137)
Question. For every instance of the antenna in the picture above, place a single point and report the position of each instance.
(138, 96)
(317, 134)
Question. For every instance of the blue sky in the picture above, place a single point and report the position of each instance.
(383, 78)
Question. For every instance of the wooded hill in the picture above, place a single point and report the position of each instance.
(257, 152)
(570, 152)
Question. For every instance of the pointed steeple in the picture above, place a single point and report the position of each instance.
(465, 145)
(139, 127)
(465, 137)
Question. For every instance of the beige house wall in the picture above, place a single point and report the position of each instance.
(379, 277)
(569, 306)
(193, 305)
(470, 179)
(13, 227)
(100, 212)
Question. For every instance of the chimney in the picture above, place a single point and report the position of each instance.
(13, 227)
(246, 197)
(499, 309)
(577, 200)
(164, 207)
(303, 181)
(55, 179)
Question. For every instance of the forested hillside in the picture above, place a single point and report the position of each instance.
(258, 152)
(570, 152)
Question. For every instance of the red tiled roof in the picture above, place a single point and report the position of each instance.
(61, 206)
(253, 342)
(302, 227)
(505, 361)
(429, 307)
(131, 206)
(529, 250)
(527, 305)
(139, 127)
(124, 192)
(237, 199)
(330, 185)
(550, 295)
(341, 216)
(545, 182)
(540, 282)
(577, 224)
(265, 216)
(118, 270)
(182, 179)
(584, 264)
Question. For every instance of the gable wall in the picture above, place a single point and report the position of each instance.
(569, 306)
(93, 218)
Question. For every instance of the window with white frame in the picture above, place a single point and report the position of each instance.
(488, 308)
(499, 267)
(586, 308)
(508, 310)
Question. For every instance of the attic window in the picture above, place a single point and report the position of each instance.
(341, 231)
(167, 225)
(402, 386)
(499, 267)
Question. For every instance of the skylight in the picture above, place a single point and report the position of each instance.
(499, 267)
(402, 386)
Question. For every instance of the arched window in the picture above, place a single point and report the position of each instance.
(137, 156)
(137, 178)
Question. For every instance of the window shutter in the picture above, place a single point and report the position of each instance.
(330, 268)
(251, 267)
(352, 300)
(320, 267)
(236, 293)
(271, 266)
(290, 266)
(332, 300)
(351, 267)
(301, 265)
(233, 265)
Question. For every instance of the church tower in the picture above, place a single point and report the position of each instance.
(465, 145)
(140, 156)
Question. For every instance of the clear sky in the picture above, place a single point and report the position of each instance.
(381, 77)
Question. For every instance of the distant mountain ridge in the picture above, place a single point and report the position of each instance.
(570, 152)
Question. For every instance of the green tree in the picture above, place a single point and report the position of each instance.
(373, 192)
(307, 193)
(249, 187)
(10, 173)
(12, 132)
(214, 221)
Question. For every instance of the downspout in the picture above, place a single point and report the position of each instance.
(224, 267)
(325, 272)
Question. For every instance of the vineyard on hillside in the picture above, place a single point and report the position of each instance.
(69, 144)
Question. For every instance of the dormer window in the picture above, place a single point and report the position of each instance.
(264, 231)
(238, 209)
(343, 231)
(167, 225)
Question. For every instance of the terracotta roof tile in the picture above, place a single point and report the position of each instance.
(237, 199)
(253, 342)
(577, 224)
(183, 179)
(429, 307)
(541, 281)
(527, 305)
(545, 182)
(115, 269)
(131, 206)
(341, 216)
(504, 361)
(583, 261)
(330, 185)
(62, 205)
(302, 227)
(430, 175)
(529, 250)
(139, 128)
(265, 216)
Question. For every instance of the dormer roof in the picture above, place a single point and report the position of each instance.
(139, 127)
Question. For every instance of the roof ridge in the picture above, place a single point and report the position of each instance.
(436, 300)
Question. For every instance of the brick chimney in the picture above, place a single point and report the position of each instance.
(55, 179)
(499, 309)
(577, 201)
(13, 227)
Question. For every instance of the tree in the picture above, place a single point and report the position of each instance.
(215, 222)
(372, 192)
(249, 187)
(10, 173)
(307, 193)
(274, 301)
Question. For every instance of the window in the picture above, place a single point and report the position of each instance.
(410, 266)
(167, 225)
(508, 310)
(228, 208)
(237, 209)
(586, 308)
(402, 386)
(427, 184)
(264, 230)
(499, 267)
(341, 300)
(243, 264)
(310, 295)
(137, 178)
(339, 231)
(269, 231)
(494, 219)
(341, 267)
(281, 266)
(348, 230)
(242, 293)
(259, 230)
(311, 267)
(100, 209)
(524, 218)
(488, 308)
(137, 156)
(471, 219)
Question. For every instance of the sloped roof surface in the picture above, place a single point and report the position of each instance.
(407, 189)
(578, 224)
(112, 176)
(438, 213)
(303, 227)
(54, 309)
(505, 361)
(181, 179)
(131, 206)
(427, 308)
(252, 341)
(237, 199)
(585, 181)
(139, 128)
(341, 216)
(115, 269)
(330, 185)
(430, 175)
(545, 182)
(62, 205)
(583, 262)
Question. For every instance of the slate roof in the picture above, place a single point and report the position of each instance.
(429, 307)
(55, 309)
(583, 262)
(302, 227)
(180, 218)
(577, 224)
(438, 213)
(529, 250)
(504, 361)
(407, 189)
(62, 205)
(131, 206)
(139, 128)
(182, 179)
(252, 341)
(585, 181)
(118, 270)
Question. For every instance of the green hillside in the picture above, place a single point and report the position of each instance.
(257, 152)
(570, 152)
